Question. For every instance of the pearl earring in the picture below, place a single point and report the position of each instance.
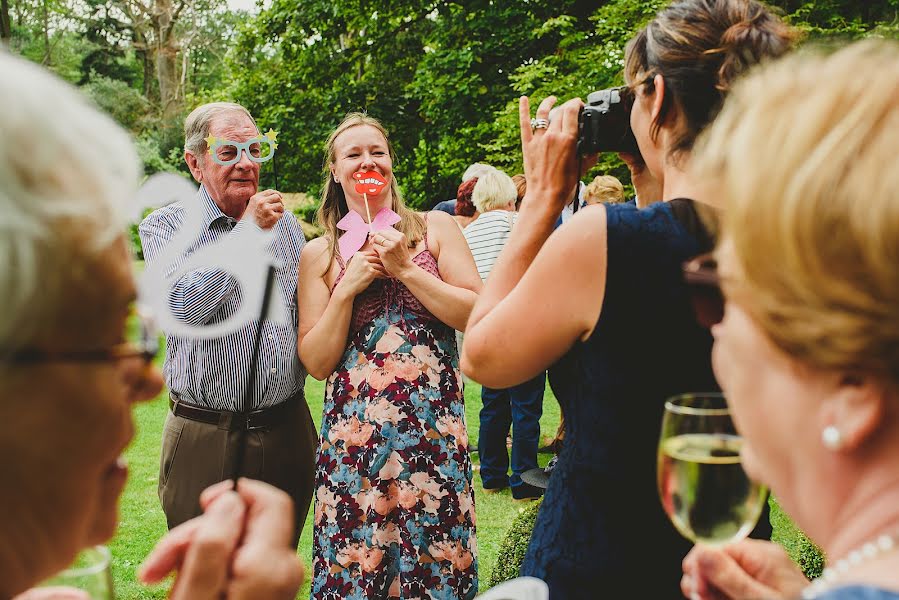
(832, 438)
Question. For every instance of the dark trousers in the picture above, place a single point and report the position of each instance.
(520, 408)
(195, 455)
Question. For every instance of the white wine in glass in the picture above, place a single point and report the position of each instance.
(89, 574)
(703, 487)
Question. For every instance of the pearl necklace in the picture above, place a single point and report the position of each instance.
(866, 553)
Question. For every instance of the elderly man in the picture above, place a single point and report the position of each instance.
(207, 377)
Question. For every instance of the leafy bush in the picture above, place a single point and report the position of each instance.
(800, 548)
(119, 100)
(154, 159)
(513, 548)
(134, 237)
(515, 545)
(301, 204)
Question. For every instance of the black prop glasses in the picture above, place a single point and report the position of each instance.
(141, 340)
(701, 275)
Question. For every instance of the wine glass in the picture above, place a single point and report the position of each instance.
(90, 574)
(703, 487)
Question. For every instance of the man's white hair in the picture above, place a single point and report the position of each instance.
(494, 190)
(476, 170)
(66, 174)
(199, 121)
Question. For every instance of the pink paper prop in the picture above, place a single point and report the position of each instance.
(357, 230)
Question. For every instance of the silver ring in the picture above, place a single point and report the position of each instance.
(539, 124)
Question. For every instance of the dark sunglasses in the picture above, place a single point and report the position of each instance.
(701, 275)
(141, 340)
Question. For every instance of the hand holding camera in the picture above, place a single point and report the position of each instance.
(550, 152)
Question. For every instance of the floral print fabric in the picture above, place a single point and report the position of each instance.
(394, 509)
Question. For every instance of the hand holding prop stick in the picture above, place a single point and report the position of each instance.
(356, 228)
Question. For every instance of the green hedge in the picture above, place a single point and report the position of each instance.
(514, 546)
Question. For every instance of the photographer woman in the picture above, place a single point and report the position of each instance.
(606, 297)
(808, 350)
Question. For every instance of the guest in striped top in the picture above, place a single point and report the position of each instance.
(207, 377)
(521, 406)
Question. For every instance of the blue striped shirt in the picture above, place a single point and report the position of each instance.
(214, 372)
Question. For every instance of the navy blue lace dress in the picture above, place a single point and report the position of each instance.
(601, 531)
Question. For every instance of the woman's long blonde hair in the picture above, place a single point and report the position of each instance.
(333, 201)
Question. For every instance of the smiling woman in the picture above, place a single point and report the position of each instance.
(393, 457)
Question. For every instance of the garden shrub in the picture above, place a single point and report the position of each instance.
(515, 545)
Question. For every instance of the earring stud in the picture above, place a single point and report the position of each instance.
(832, 438)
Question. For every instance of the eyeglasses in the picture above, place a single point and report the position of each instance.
(701, 275)
(141, 341)
(228, 152)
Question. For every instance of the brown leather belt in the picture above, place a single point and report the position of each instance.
(263, 418)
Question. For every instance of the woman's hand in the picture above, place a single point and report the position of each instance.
(743, 570)
(393, 250)
(550, 154)
(239, 548)
(363, 268)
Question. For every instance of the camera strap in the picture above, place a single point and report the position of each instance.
(576, 201)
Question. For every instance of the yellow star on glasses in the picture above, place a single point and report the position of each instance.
(210, 142)
(272, 135)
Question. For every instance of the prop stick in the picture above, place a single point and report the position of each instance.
(248, 393)
(367, 212)
(275, 172)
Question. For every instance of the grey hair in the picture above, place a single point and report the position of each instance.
(494, 190)
(476, 170)
(198, 122)
(66, 174)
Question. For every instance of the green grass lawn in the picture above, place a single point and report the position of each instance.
(142, 522)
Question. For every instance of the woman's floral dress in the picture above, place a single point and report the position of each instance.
(394, 507)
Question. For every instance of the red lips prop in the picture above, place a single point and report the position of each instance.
(369, 182)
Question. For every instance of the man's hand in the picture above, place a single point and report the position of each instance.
(740, 571)
(266, 208)
(238, 549)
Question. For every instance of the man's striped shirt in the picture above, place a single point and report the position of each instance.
(214, 372)
(486, 237)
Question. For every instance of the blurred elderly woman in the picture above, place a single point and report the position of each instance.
(69, 374)
(808, 349)
(518, 407)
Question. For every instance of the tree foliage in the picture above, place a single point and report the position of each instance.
(443, 75)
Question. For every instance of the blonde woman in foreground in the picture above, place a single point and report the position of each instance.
(808, 350)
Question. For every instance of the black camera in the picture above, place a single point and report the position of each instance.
(605, 123)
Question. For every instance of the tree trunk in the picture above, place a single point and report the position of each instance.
(5, 27)
(167, 75)
(46, 23)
